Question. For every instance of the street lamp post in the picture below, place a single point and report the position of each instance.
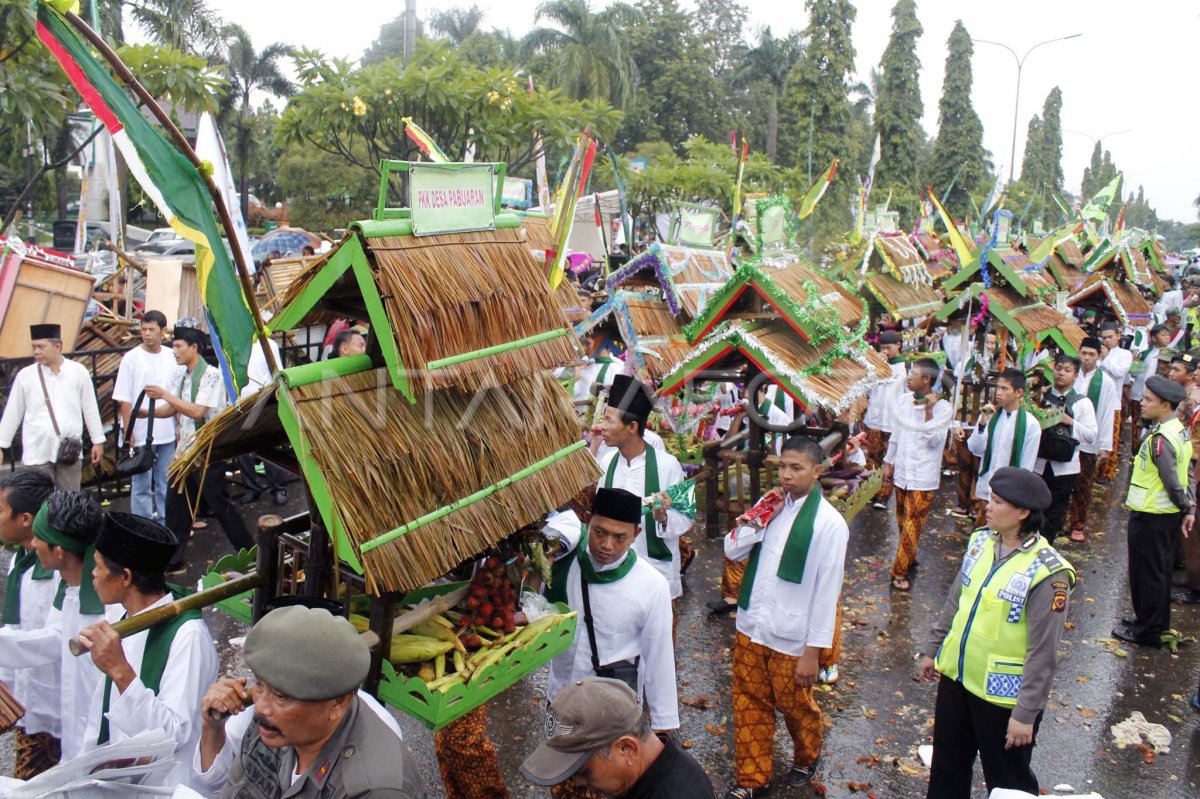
(1017, 102)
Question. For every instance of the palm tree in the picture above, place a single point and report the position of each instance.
(456, 24)
(593, 49)
(249, 71)
(771, 62)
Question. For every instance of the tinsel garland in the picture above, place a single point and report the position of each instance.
(655, 258)
(978, 318)
(790, 228)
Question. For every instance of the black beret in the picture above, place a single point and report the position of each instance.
(1165, 389)
(136, 543)
(1188, 360)
(631, 395)
(890, 337)
(1091, 341)
(1021, 487)
(617, 504)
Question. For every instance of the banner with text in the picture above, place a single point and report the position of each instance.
(452, 198)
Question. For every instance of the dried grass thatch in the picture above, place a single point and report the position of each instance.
(537, 233)
(1033, 316)
(903, 300)
(1066, 272)
(274, 280)
(453, 295)
(1069, 251)
(791, 280)
(569, 303)
(388, 463)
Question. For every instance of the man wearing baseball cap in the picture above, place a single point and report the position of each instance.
(602, 741)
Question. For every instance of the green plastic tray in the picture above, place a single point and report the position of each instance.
(436, 709)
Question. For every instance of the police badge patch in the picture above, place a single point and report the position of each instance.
(1016, 590)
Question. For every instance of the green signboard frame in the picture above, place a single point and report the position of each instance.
(451, 204)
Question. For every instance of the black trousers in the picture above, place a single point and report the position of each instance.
(276, 479)
(965, 725)
(1151, 555)
(1061, 487)
(215, 493)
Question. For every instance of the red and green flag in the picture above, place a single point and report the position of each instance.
(424, 142)
(168, 178)
(809, 202)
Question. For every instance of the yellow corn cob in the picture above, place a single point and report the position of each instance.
(493, 656)
(403, 652)
(427, 673)
(445, 622)
(460, 663)
(430, 629)
(439, 667)
(536, 628)
(361, 623)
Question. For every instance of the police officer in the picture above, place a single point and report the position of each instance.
(995, 644)
(1162, 503)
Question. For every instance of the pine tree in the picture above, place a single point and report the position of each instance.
(1091, 175)
(958, 149)
(1050, 141)
(816, 104)
(1031, 167)
(898, 108)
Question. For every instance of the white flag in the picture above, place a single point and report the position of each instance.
(210, 147)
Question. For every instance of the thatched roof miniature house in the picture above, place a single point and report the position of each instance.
(1027, 319)
(895, 275)
(408, 491)
(645, 324)
(687, 277)
(795, 293)
(1012, 268)
(817, 376)
(459, 309)
(940, 260)
(1120, 296)
(1065, 264)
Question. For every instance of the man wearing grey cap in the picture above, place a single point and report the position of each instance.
(602, 741)
(312, 736)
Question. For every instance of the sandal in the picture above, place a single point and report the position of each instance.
(802, 775)
(901, 584)
(740, 792)
(199, 524)
(1077, 536)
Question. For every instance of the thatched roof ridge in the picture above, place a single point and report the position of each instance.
(688, 277)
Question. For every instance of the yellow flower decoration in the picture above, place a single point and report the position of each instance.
(493, 96)
(360, 108)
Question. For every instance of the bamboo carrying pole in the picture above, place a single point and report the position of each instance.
(239, 258)
(201, 599)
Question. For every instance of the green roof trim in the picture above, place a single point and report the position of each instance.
(995, 260)
(751, 275)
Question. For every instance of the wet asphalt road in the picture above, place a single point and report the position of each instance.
(878, 714)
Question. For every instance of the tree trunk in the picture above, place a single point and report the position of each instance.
(243, 156)
(773, 125)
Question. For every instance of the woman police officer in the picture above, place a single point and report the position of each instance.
(995, 643)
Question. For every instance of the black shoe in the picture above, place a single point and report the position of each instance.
(720, 607)
(746, 793)
(1121, 634)
(281, 497)
(1179, 582)
(802, 775)
(1128, 621)
(249, 497)
(1188, 597)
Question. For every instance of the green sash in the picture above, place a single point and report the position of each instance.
(557, 590)
(22, 562)
(1094, 386)
(608, 362)
(197, 375)
(89, 601)
(154, 662)
(655, 546)
(1017, 445)
(795, 551)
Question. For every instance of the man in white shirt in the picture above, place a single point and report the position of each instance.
(64, 533)
(1058, 468)
(1100, 389)
(1116, 362)
(877, 420)
(1144, 365)
(28, 597)
(154, 679)
(788, 612)
(195, 394)
(630, 610)
(1008, 437)
(52, 382)
(920, 421)
(645, 471)
(148, 364)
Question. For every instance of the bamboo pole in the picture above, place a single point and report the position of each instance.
(163, 613)
(239, 258)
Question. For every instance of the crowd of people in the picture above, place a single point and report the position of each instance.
(1046, 426)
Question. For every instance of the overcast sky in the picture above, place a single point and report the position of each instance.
(1130, 79)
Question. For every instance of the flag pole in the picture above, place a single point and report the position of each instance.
(239, 258)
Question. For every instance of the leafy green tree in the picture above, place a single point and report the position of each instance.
(323, 190)
(818, 113)
(249, 71)
(456, 24)
(680, 96)
(898, 109)
(1030, 159)
(358, 114)
(1091, 173)
(593, 56)
(494, 48)
(958, 154)
(390, 42)
(1041, 164)
(770, 63)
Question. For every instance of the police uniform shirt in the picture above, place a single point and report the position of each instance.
(1046, 607)
(1163, 458)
